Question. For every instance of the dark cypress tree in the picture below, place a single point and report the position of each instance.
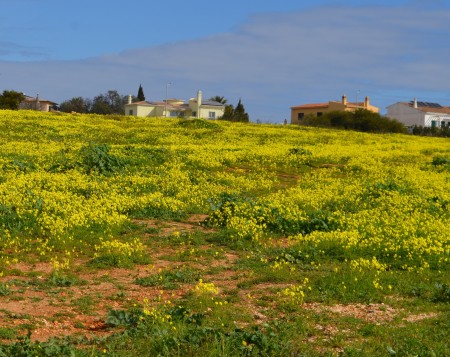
(228, 113)
(234, 114)
(141, 96)
(239, 113)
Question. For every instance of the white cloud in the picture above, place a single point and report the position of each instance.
(272, 62)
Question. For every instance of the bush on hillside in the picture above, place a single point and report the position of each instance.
(97, 158)
(360, 120)
(431, 131)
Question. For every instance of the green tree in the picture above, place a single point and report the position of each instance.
(240, 114)
(218, 99)
(140, 96)
(339, 119)
(235, 114)
(101, 105)
(108, 103)
(11, 99)
(77, 104)
(367, 121)
(228, 112)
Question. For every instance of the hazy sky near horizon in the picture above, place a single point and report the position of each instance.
(272, 55)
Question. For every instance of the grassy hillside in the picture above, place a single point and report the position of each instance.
(173, 237)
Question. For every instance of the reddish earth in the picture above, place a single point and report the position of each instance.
(50, 311)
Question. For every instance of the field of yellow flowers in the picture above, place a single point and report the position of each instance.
(327, 217)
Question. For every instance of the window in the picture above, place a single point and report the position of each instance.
(319, 114)
(212, 115)
(130, 112)
(300, 116)
(173, 114)
(194, 114)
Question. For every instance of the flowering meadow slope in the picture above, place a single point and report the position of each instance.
(343, 207)
(383, 197)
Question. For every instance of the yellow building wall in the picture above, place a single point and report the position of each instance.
(372, 108)
(330, 107)
(306, 112)
(143, 110)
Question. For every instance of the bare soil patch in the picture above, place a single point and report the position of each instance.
(420, 317)
(34, 303)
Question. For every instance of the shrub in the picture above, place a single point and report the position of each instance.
(433, 131)
(441, 293)
(119, 254)
(97, 158)
(198, 124)
(440, 160)
(360, 120)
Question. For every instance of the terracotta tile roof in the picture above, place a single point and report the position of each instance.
(142, 102)
(145, 103)
(311, 106)
(326, 105)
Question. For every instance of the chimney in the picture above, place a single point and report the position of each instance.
(415, 103)
(129, 98)
(38, 104)
(366, 103)
(199, 102)
(344, 99)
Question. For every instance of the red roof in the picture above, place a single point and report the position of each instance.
(326, 105)
(311, 106)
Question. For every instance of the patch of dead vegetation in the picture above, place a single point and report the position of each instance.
(167, 228)
(284, 242)
(420, 317)
(373, 313)
(43, 268)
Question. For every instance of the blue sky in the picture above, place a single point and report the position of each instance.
(272, 54)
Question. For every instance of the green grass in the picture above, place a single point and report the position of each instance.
(170, 279)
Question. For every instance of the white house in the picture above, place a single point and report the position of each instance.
(417, 113)
(195, 108)
(36, 103)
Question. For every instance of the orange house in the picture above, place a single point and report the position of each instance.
(317, 109)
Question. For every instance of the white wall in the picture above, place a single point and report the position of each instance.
(204, 111)
(438, 118)
(405, 114)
